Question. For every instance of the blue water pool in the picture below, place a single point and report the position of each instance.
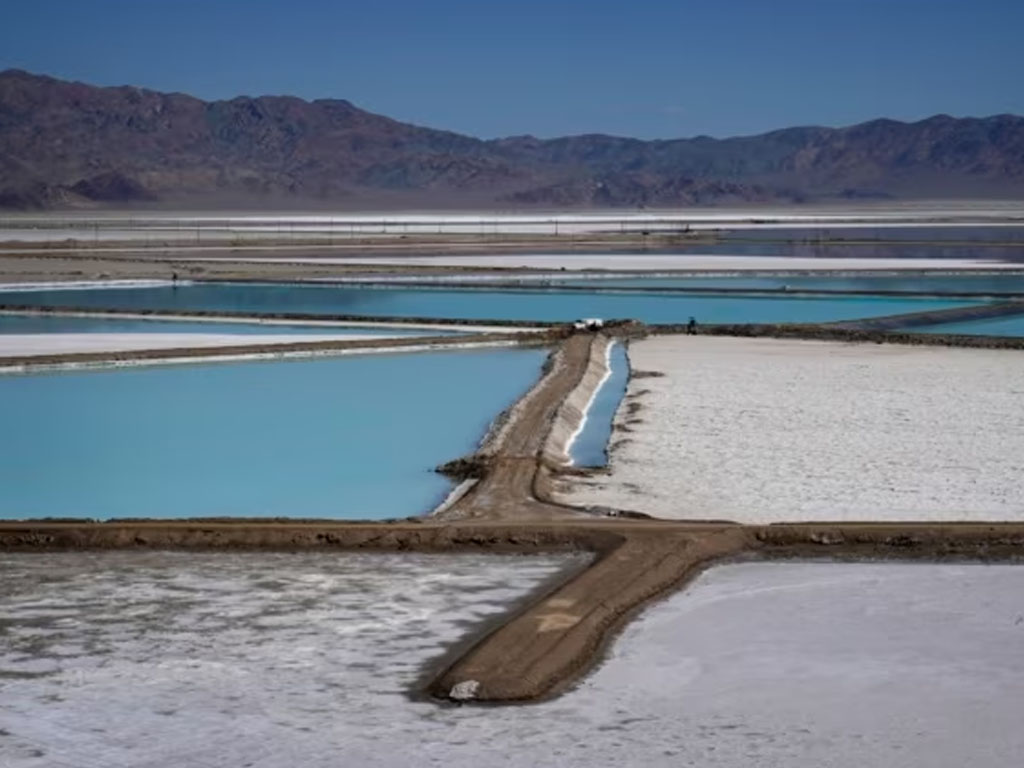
(1012, 325)
(925, 284)
(590, 448)
(349, 437)
(477, 304)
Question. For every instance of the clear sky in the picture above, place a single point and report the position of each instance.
(645, 68)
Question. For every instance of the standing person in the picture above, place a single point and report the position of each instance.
(691, 327)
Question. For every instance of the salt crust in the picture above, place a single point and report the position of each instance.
(766, 430)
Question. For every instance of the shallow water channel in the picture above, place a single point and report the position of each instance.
(274, 660)
(344, 437)
(589, 447)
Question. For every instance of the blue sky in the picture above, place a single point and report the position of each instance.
(494, 68)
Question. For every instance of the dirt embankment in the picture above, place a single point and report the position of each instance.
(293, 317)
(933, 317)
(900, 541)
(834, 333)
(303, 348)
(546, 648)
(548, 645)
(409, 536)
(572, 413)
(509, 461)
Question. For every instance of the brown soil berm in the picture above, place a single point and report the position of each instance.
(909, 320)
(342, 242)
(310, 348)
(513, 454)
(546, 646)
(561, 634)
(811, 332)
(292, 317)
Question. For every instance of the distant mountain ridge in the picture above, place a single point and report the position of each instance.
(72, 144)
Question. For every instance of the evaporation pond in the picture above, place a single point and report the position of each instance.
(590, 448)
(346, 437)
(1010, 325)
(479, 304)
(908, 283)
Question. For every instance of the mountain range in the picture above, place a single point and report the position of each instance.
(68, 144)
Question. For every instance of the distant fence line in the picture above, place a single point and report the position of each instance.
(379, 224)
(197, 228)
(200, 228)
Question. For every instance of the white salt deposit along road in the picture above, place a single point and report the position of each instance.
(275, 660)
(26, 344)
(639, 262)
(766, 430)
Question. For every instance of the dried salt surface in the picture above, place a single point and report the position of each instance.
(260, 659)
(277, 660)
(765, 430)
(804, 665)
(18, 344)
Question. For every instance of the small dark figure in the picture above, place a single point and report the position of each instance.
(174, 279)
(691, 327)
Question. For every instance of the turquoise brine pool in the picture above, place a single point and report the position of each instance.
(922, 283)
(477, 304)
(18, 324)
(1012, 325)
(590, 448)
(348, 437)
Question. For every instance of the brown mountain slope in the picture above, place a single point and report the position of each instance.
(65, 143)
